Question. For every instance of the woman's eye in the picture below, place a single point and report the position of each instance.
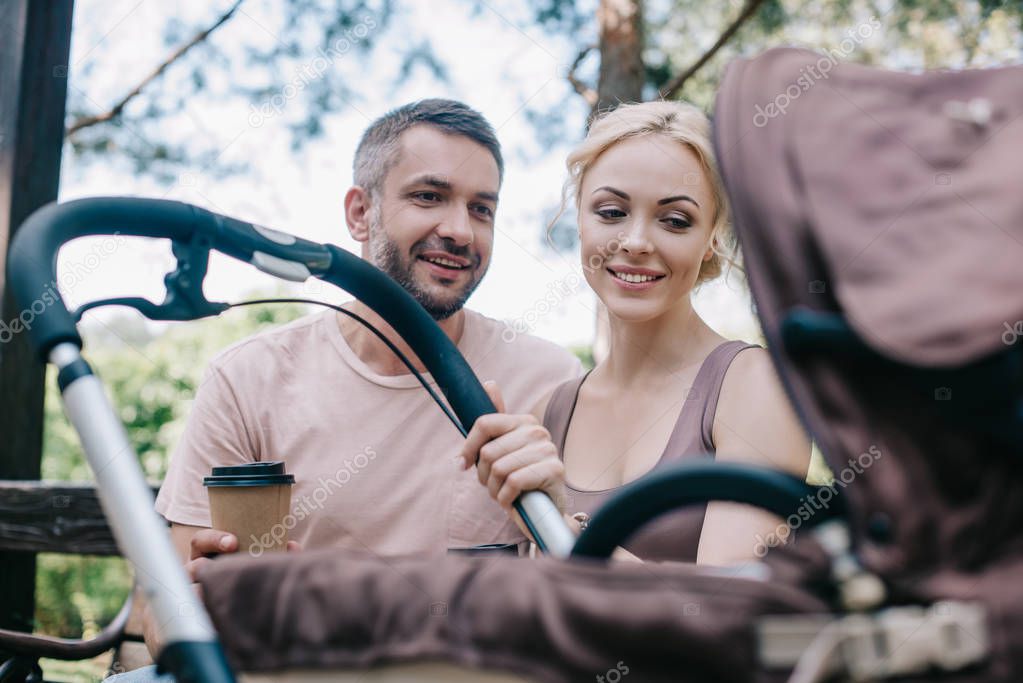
(610, 214)
(678, 222)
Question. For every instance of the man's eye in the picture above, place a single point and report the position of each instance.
(610, 214)
(427, 196)
(485, 211)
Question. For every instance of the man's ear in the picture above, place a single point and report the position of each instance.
(357, 208)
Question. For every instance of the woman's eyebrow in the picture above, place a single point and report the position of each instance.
(677, 198)
(612, 191)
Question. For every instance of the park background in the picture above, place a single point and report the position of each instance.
(253, 108)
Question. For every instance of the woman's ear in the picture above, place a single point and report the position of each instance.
(709, 254)
(357, 208)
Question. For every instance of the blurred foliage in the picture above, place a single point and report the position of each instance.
(151, 379)
(269, 46)
(914, 34)
(585, 356)
(317, 47)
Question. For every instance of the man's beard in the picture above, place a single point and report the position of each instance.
(386, 256)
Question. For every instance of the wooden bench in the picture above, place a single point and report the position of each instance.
(60, 517)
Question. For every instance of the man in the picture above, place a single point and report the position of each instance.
(375, 461)
(373, 456)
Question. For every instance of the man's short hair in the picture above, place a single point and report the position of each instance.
(378, 150)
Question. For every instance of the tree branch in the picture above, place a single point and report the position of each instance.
(675, 84)
(588, 93)
(113, 112)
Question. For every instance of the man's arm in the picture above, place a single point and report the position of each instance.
(194, 545)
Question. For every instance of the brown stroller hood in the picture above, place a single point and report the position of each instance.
(881, 221)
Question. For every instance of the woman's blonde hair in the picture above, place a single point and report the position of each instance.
(678, 121)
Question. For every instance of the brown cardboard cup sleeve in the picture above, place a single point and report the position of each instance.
(251, 501)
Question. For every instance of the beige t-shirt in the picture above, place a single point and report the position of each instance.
(373, 456)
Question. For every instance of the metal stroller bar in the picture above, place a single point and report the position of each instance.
(67, 648)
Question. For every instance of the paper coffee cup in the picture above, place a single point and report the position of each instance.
(251, 502)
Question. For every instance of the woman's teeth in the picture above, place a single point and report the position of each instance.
(634, 278)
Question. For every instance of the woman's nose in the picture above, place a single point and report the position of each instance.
(636, 239)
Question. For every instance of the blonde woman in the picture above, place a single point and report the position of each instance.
(653, 224)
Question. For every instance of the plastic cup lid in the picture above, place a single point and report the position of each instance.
(250, 474)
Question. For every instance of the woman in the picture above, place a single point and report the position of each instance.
(653, 224)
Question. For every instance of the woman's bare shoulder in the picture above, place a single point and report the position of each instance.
(755, 420)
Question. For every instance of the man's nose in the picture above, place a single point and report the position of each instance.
(457, 227)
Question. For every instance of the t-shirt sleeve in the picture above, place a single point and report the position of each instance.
(553, 367)
(215, 434)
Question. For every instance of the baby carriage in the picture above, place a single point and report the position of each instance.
(878, 222)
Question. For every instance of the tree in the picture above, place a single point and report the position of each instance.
(214, 58)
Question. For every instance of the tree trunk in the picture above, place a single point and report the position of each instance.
(621, 79)
(622, 73)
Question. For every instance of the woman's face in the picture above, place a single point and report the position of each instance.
(646, 211)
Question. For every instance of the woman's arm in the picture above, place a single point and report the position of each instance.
(756, 424)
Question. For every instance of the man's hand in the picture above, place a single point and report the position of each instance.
(204, 545)
(513, 454)
(207, 544)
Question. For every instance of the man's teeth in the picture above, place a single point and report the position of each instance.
(633, 277)
(447, 263)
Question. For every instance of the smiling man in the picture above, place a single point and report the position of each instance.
(373, 457)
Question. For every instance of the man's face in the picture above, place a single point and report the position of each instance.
(432, 227)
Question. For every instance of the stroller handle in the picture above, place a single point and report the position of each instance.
(53, 333)
(32, 262)
(32, 272)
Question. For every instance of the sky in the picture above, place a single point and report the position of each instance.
(497, 63)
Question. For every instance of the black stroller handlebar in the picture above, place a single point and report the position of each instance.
(32, 273)
(695, 482)
(32, 263)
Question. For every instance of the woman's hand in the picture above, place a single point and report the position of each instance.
(513, 454)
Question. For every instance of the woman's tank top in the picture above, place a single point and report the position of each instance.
(676, 535)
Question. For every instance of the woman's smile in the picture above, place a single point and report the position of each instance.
(634, 279)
